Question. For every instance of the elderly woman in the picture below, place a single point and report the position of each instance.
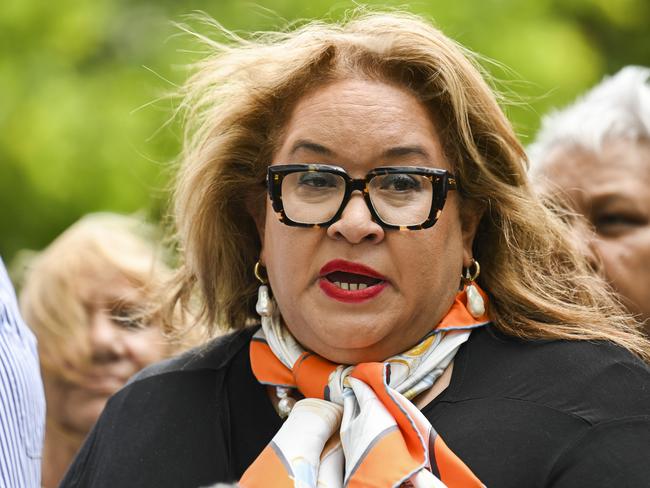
(594, 158)
(83, 297)
(424, 321)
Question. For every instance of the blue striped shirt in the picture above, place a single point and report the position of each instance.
(22, 402)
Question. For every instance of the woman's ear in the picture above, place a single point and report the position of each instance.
(471, 214)
(257, 210)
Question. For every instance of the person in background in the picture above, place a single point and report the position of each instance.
(593, 157)
(22, 404)
(85, 298)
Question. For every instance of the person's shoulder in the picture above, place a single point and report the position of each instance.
(12, 326)
(594, 380)
(189, 380)
(583, 358)
(213, 355)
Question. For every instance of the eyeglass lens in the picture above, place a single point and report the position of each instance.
(401, 199)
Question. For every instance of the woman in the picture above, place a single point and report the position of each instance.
(83, 298)
(357, 187)
(594, 156)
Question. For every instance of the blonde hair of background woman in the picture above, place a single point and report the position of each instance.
(96, 245)
(240, 97)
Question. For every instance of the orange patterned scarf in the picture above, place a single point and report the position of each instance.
(357, 426)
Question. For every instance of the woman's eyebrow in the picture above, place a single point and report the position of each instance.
(310, 146)
(393, 152)
(615, 198)
(398, 151)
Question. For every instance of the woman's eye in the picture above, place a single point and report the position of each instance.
(400, 183)
(314, 179)
(126, 318)
(617, 223)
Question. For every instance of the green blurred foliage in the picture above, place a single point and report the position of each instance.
(85, 125)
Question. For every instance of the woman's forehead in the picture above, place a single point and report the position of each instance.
(343, 104)
(618, 164)
(360, 119)
(108, 288)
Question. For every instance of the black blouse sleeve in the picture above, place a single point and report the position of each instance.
(152, 431)
(75, 475)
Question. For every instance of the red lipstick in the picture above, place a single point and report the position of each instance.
(350, 282)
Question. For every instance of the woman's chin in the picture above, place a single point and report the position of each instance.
(350, 333)
(353, 356)
(346, 346)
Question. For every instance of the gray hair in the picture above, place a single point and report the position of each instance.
(619, 106)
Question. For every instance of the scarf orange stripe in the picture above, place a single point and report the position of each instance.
(386, 462)
(266, 367)
(270, 468)
(374, 375)
(311, 373)
(453, 471)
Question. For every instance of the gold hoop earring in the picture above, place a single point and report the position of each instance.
(470, 275)
(257, 271)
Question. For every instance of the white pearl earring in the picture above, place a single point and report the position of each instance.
(264, 305)
(475, 302)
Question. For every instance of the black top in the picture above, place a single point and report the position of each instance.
(518, 413)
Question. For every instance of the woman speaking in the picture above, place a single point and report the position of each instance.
(424, 320)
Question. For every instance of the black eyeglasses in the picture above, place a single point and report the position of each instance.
(398, 197)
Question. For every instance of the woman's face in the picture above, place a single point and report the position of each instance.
(611, 189)
(360, 125)
(119, 348)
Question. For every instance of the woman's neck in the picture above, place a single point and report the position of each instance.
(59, 450)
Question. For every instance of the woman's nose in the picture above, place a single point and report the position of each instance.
(594, 259)
(105, 338)
(356, 224)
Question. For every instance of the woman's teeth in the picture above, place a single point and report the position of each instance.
(350, 286)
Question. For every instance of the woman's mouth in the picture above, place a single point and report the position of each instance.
(350, 282)
(102, 386)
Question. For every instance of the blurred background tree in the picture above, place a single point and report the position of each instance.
(84, 127)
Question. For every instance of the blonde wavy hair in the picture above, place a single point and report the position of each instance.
(236, 105)
(52, 300)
